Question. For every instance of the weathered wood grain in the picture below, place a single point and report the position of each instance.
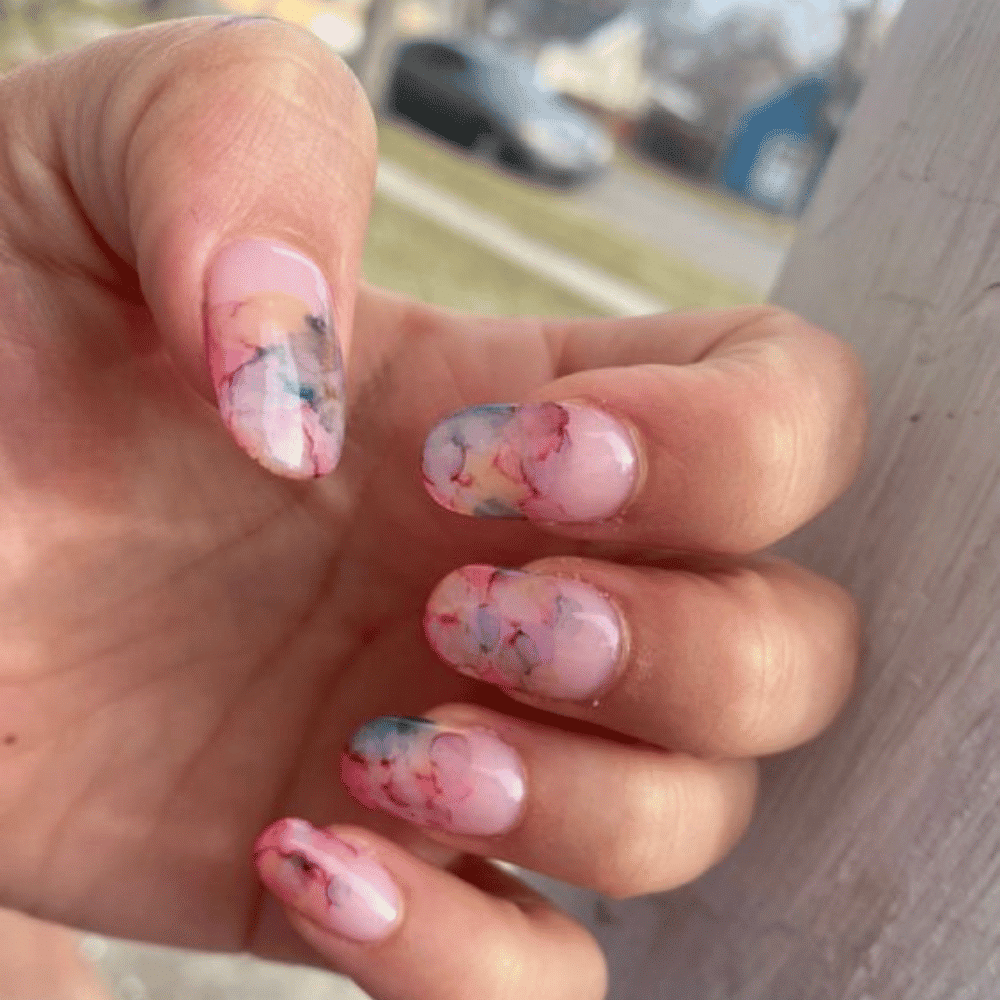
(873, 870)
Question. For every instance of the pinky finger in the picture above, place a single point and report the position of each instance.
(406, 930)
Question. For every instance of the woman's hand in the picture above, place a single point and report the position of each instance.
(189, 639)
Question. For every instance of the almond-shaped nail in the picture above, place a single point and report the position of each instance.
(336, 882)
(462, 780)
(546, 635)
(274, 357)
(545, 461)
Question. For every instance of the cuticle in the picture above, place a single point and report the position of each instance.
(497, 733)
(636, 440)
(624, 648)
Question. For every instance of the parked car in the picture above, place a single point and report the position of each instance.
(484, 97)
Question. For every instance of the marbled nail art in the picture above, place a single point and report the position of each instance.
(460, 780)
(274, 358)
(543, 634)
(327, 878)
(545, 461)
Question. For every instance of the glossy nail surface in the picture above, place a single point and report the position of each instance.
(546, 461)
(333, 881)
(543, 634)
(460, 780)
(274, 357)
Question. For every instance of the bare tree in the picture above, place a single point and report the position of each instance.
(744, 53)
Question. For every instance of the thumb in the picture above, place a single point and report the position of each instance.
(230, 163)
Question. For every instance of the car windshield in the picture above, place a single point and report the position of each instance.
(518, 80)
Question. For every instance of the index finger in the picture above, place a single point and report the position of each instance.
(224, 164)
(715, 432)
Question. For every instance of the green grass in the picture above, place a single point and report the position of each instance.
(410, 254)
(549, 217)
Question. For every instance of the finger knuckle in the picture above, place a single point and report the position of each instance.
(771, 439)
(848, 614)
(780, 681)
(842, 625)
(758, 667)
(498, 971)
(763, 675)
(634, 856)
(563, 962)
(799, 434)
(831, 392)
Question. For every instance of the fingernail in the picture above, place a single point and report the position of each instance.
(274, 357)
(543, 634)
(460, 780)
(335, 882)
(544, 461)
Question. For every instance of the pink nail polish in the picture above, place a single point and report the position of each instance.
(335, 882)
(545, 461)
(546, 635)
(459, 780)
(274, 357)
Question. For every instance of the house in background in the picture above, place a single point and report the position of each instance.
(700, 78)
(781, 142)
(592, 51)
(660, 78)
(727, 99)
(604, 70)
(780, 145)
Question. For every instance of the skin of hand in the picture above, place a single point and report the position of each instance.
(38, 960)
(188, 640)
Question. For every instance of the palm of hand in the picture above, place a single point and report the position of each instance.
(185, 640)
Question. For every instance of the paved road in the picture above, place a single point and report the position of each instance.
(734, 245)
(722, 235)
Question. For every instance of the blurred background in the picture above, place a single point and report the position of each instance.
(568, 156)
(555, 157)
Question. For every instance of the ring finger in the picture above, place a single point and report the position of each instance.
(622, 820)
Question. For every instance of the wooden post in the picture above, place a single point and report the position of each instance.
(873, 869)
